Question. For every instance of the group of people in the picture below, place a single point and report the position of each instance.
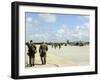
(55, 45)
(32, 50)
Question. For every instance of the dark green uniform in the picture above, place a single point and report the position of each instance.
(42, 50)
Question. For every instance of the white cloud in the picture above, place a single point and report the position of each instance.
(64, 33)
(28, 19)
(28, 22)
(77, 33)
(81, 32)
(38, 37)
(61, 31)
(31, 23)
(50, 18)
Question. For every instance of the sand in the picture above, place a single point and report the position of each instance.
(66, 56)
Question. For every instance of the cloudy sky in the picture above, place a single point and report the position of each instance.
(56, 27)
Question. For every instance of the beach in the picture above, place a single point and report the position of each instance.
(66, 56)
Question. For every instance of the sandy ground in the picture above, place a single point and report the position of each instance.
(66, 56)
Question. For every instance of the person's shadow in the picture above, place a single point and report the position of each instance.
(38, 64)
(34, 64)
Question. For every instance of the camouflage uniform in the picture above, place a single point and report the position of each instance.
(42, 50)
(32, 50)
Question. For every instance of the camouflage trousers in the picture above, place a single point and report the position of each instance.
(43, 58)
(31, 60)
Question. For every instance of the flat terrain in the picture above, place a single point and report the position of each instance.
(65, 56)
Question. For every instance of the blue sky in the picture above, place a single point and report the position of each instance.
(56, 27)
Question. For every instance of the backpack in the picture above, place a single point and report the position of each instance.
(43, 49)
(33, 48)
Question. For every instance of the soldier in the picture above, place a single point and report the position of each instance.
(31, 53)
(42, 50)
(59, 46)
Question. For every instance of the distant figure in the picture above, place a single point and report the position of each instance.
(31, 52)
(65, 44)
(59, 46)
(52, 45)
(55, 45)
(42, 50)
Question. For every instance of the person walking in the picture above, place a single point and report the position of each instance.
(31, 53)
(43, 50)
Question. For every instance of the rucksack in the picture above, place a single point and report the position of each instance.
(33, 48)
(43, 49)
